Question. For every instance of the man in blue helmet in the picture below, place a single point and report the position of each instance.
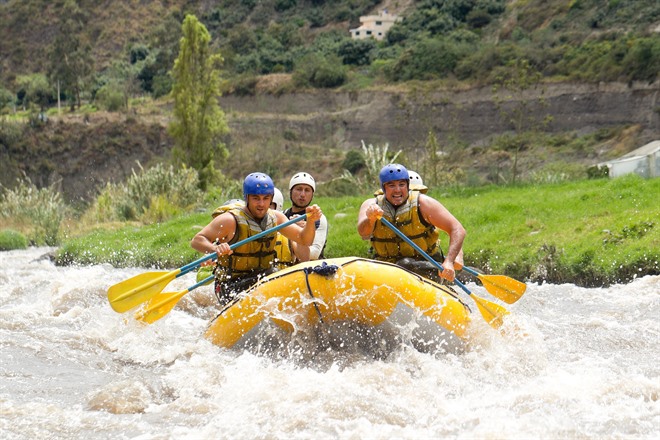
(418, 217)
(236, 270)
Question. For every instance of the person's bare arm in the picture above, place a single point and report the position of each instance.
(440, 217)
(301, 252)
(305, 235)
(220, 230)
(369, 213)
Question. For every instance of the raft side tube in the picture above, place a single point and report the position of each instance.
(361, 290)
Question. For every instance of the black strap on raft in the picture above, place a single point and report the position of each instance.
(324, 269)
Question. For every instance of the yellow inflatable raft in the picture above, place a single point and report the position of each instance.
(342, 289)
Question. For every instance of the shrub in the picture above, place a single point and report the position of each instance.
(245, 85)
(353, 162)
(598, 172)
(7, 98)
(357, 52)
(162, 85)
(10, 240)
(642, 59)
(429, 58)
(40, 211)
(141, 193)
(110, 97)
(10, 132)
(318, 71)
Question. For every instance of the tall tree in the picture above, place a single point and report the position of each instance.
(71, 62)
(198, 122)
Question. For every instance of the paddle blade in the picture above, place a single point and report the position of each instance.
(492, 313)
(159, 306)
(134, 291)
(502, 287)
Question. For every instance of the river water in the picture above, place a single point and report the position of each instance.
(569, 363)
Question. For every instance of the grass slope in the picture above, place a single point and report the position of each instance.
(591, 232)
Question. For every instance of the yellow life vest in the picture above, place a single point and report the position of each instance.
(284, 256)
(225, 208)
(258, 254)
(209, 269)
(388, 246)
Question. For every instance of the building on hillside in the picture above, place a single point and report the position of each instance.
(644, 161)
(374, 26)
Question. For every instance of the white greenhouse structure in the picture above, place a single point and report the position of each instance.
(644, 161)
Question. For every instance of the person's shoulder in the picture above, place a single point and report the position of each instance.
(425, 197)
(369, 201)
(279, 216)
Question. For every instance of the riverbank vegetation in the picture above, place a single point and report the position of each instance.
(588, 232)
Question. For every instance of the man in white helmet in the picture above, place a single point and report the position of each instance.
(237, 269)
(278, 201)
(416, 182)
(301, 192)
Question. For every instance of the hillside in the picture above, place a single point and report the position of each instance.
(268, 36)
(596, 96)
(315, 131)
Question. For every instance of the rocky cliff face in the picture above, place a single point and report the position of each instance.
(473, 116)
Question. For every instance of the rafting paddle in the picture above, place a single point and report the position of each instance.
(500, 286)
(161, 304)
(491, 312)
(134, 291)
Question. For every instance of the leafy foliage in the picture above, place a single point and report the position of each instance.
(71, 61)
(318, 71)
(10, 240)
(353, 162)
(39, 211)
(587, 40)
(35, 91)
(156, 194)
(591, 232)
(198, 120)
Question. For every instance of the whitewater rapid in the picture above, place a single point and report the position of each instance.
(569, 363)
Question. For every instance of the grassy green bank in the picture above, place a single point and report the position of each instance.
(591, 233)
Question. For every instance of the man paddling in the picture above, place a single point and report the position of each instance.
(301, 192)
(418, 217)
(238, 269)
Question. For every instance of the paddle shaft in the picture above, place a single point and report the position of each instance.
(471, 271)
(152, 313)
(491, 312)
(188, 267)
(421, 252)
(129, 293)
(200, 283)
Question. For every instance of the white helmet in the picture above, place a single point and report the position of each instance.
(304, 178)
(233, 202)
(278, 199)
(415, 179)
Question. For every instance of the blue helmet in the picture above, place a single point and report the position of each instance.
(258, 183)
(393, 171)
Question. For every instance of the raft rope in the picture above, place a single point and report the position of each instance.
(324, 269)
